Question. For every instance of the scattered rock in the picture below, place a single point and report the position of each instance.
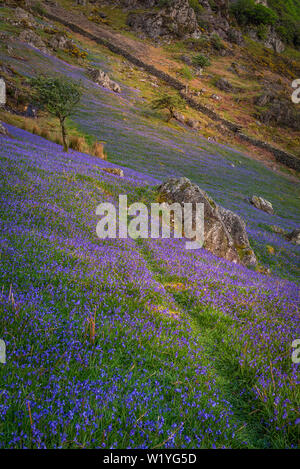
(224, 85)
(23, 17)
(59, 42)
(277, 230)
(294, 236)
(262, 204)
(115, 171)
(216, 97)
(224, 231)
(179, 117)
(281, 111)
(192, 123)
(3, 130)
(30, 37)
(187, 60)
(100, 77)
(271, 41)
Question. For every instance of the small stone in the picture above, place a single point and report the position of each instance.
(115, 171)
(262, 204)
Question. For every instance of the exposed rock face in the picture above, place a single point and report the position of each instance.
(100, 77)
(237, 230)
(278, 109)
(272, 40)
(176, 20)
(33, 39)
(224, 231)
(214, 24)
(235, 36)
(22, 16)
(281, 112)
(294, 236)
(262, 204)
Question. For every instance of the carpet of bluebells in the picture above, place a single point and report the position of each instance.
(130, 344)
(137, 140)
(139, 344)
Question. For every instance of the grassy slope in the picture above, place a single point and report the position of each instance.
(143, 378)
(258, 63)
(109, 346)
(137, 137)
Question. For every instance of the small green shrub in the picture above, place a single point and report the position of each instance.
(196, 6)
(216, 42)
(201, 61)
(262, 31)
(186, 73)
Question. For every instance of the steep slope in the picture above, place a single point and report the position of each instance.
(136, 139)
(121, 343)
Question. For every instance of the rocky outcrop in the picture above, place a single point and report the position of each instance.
(235, 36)
(280, 111)
(224, 231)
(271, 40)
(30, 37)
(23, 18)
(262, 204)
(237, 230)
(175, 20)
(102, 79)
(59, 41)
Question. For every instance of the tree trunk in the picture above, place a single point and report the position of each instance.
(64, 135)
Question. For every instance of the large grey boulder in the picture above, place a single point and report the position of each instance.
(102, 79)
(237, 230)
(224, 232)
(262, 204)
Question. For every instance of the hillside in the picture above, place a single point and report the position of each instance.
(140, 343)
(171, 328)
